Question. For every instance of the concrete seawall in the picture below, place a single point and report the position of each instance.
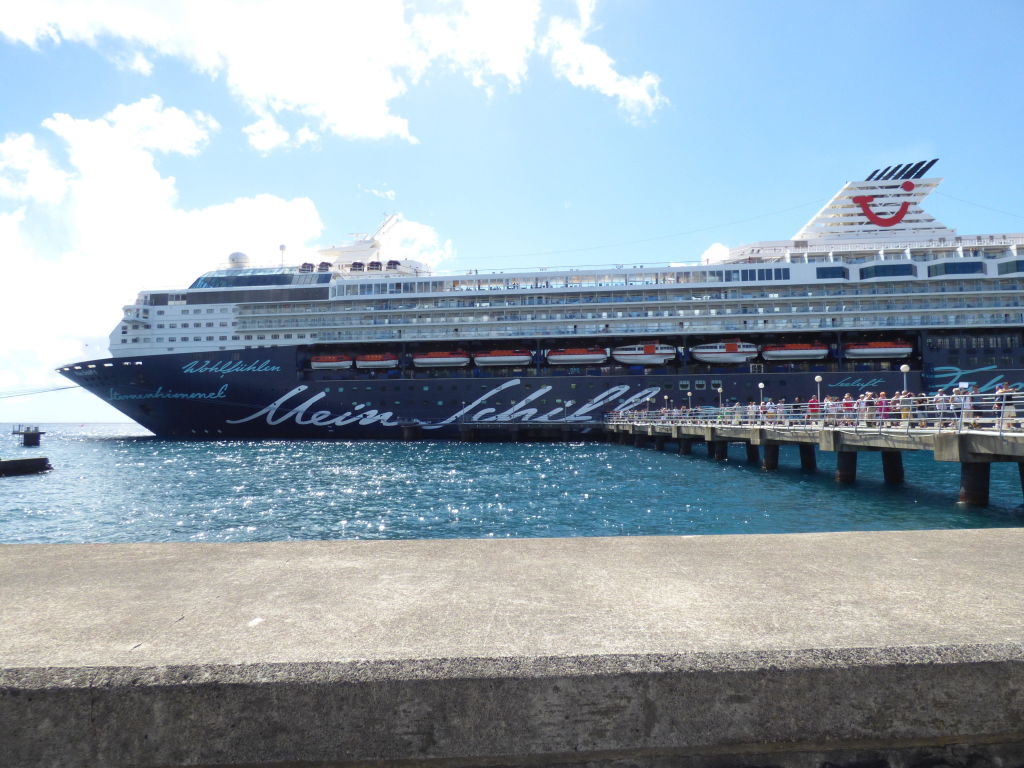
(859, 649)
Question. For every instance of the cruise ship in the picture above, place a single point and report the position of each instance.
(872, 294)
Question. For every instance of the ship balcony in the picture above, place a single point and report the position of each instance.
(840, 322)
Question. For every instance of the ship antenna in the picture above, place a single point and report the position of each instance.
(282, 255)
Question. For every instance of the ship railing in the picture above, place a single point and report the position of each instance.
(832, 319)
(943, 411)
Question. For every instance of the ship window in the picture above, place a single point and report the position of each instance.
(957, 268)
(887, 270)
(827, 273)
(172, 338)
(1011, 266)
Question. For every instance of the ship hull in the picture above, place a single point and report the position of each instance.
(267, 394)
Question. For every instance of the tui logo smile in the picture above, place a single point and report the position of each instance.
(864, 201)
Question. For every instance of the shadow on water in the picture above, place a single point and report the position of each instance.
(928, 486)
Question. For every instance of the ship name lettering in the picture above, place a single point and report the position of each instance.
(856, 383)
(169, 394)
(224, 367)
(318, 418)
(281, 410)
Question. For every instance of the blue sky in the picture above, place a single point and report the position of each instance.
(141, 143)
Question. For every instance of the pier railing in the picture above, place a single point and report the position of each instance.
(954, 411)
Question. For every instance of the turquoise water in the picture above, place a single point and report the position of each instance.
(111, 483)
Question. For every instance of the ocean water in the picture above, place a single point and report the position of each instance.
(115, 483)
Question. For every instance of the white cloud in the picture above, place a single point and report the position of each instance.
(266, 134)
(135, 62)
(121, 229)
(586, 65)
(404, 239)
(715, 254)
(26, 172)
(340, 64)
(384, 194)
(486, 40)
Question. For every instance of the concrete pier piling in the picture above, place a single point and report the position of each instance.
(30, 435)
(808, 458)
(974, 483)
(972, 447)
(892, 467)
(846, 467)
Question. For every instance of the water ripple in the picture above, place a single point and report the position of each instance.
(113, 484)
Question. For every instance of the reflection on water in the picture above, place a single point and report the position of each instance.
(113, 484)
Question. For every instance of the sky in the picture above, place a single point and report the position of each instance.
(142, 142)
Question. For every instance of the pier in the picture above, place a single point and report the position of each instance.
(989, 431)
(849, 650)
(30, 436)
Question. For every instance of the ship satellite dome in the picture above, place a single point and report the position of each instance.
(238, 259)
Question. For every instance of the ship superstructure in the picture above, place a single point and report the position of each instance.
(871, 267)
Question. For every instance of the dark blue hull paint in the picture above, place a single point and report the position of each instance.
(269, 394)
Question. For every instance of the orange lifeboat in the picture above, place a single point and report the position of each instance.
(377, 361)
(794, 351)
(875, 350)
(577, 356)
(733, 351)
(651, 353)
(334, 362)
(503, 357)
(449, 358)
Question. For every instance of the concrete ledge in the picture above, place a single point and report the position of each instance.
(865, 649)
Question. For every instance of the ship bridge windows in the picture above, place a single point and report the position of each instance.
(1009, 267)
(887, 270)
(833, 273)
(957, 268)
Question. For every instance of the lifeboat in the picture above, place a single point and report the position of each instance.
(794, 351)
(333, 362)
(644, 354)
(376, 361)
(577, 356)
(734, 351)
(448, 358)
(872, 350)
(503, 357)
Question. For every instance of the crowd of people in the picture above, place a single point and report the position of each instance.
(960, 407)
